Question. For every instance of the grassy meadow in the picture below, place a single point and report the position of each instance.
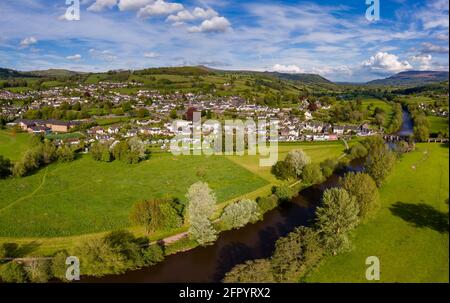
(13, 145)
(438, 124)
(410, 232)
(65, 202)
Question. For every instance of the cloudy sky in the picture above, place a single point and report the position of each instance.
(331, 38)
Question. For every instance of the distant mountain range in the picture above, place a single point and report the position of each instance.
(411, 78)
(408, 78)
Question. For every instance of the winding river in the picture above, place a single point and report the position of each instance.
(254, 241)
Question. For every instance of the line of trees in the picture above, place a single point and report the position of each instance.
(131, 152)
(114, 253)
(42, 153)
(355, 199)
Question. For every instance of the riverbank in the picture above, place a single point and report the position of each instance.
(410, 232)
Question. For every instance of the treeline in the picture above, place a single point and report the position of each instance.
(353, 201)
(397, 118)
(43, 153)
(421, 123)
(114, 253)
(132, 151)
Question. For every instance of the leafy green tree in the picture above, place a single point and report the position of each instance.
(283, 170)
(65, 154)
(312, 174)
(357, 151)
(337, 216)
(254, 271)
(58, 265)
(13, 272)
(328, 166)
(297, 160)
(240, 213)
(202, 231)
(364, 189)
(201, 201)
(148, 214)
(5, 167)
(421, 133)
(48, 150)
(379, 163)
(152, 254)
(38, 271)
(283, 192)
(296, 253)
(266, 204)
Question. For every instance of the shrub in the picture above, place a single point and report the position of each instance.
(296, 160)
(357, 151)
(152, 254)
(282, 170)
(328, 166)
(5, 167)
(58, 265)
(65, 154)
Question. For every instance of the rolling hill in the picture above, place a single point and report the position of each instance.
(411, 78)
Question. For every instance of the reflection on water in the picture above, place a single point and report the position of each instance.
(407, 125)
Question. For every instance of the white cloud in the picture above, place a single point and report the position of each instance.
(100, 5)
(215, 25)
(28, 41)
(125, 5)
(386, 63)
(423, 61)
(151, 55)
(181, 17)
(74, 57)
(290, 69)
(204, 14)
(104, 55)
(159, 8)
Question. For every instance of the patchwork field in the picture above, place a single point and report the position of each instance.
(410, 233)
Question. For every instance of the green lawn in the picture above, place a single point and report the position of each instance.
(12, 146)
(438, 124)
(410, 233)
(86, 196)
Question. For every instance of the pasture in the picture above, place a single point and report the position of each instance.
(13, 145)
(438, 124)
(410, 232)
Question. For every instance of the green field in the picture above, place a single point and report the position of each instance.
(13, 145)
(438, 124)
(410, 233)
(86, 196)
(63, 204)
(374, 103)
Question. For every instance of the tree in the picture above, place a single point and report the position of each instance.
(13, 272)
(266, 204)
(238, 214)
(202, 231)
(312, 174)
(328, 166)
(38, 271)
(357, 151)
(337, 216)
(253, 271)
(65, 154)
(296, 253)
(283, 192)
(137, 146)
(379, 162)
(421, 133)
(201, 206)
(364, 189)
(201, 201)
(282, 170)
(5, 167)
(100, 152)
(148, 214)
(297, 160)
(48, 150)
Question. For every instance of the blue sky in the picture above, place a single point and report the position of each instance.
(331, 38)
